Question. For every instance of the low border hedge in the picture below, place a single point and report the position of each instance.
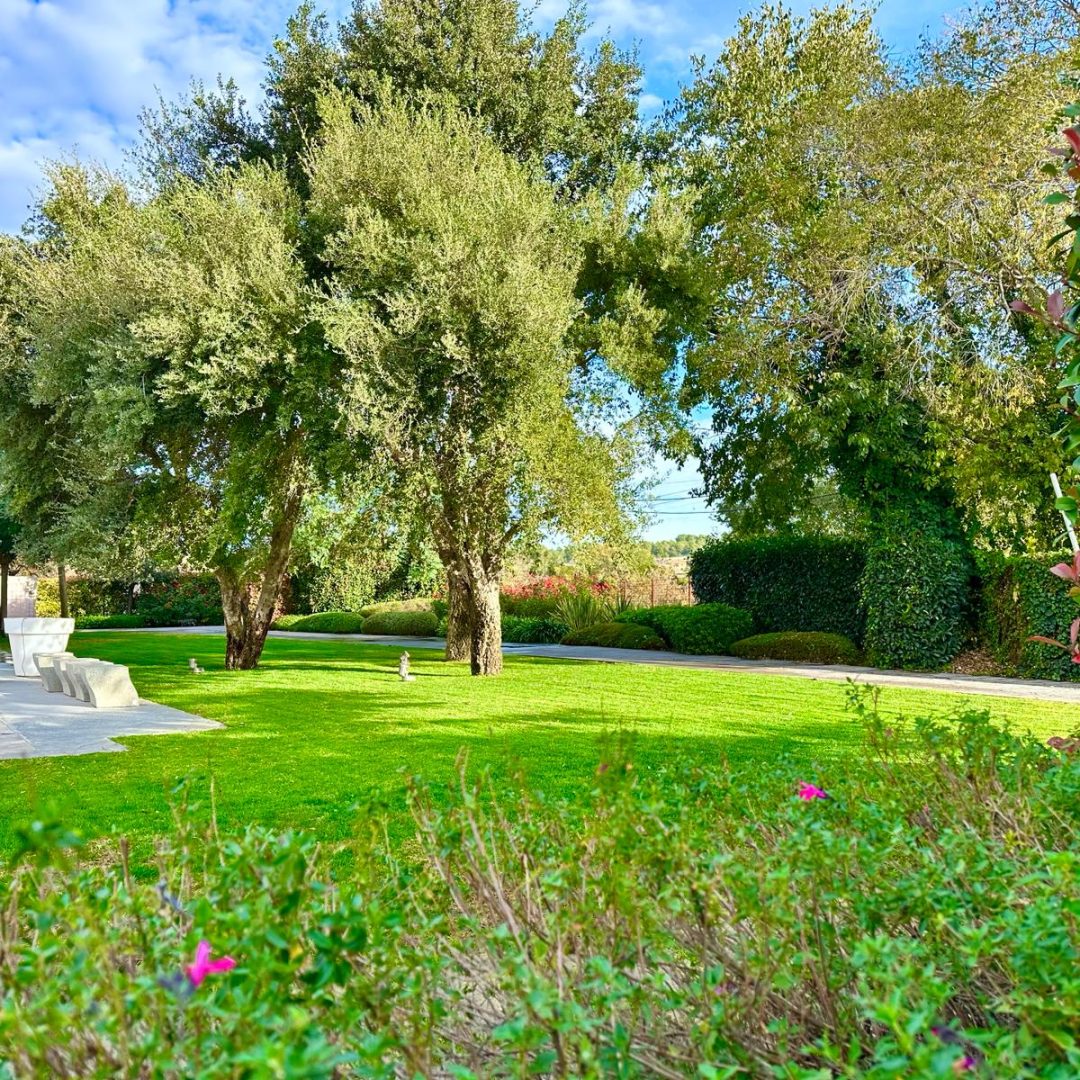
(402, 623)
(616, 635)
(812, 647)
(697, 629)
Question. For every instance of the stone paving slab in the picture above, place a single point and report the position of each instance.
(946, 682)
(35, 723)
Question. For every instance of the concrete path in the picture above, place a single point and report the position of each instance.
(35, 723)
(1036, 689)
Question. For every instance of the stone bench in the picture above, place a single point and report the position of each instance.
(50, 674)
(102, 684)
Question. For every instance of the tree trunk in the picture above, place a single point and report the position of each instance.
(485, 618)
(5, 569)
(249, 605)
(458, 634)
(61, 579)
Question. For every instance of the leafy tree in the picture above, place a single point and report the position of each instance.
(452, 296)
(175, 333)
(859, 333)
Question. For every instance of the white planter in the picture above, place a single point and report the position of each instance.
(30, 636)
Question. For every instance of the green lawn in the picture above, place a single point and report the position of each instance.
(323, 726)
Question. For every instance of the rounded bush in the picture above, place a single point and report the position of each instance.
(325, 622)
(414, 603)
(616, 635)
(808, 648)
(786, 582)
(697, 629)
(402, 623)
(533, 631)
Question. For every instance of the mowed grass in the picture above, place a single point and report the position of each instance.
(324, 728)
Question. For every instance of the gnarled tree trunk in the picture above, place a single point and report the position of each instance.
(249, 604)
(485, 618)
(61, 581)
(458, 632)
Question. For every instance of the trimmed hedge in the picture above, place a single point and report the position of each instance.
(323, 622)
(616, 635)
(785, 582)
(415, 603)
(917, 588)
(698, 629)
(810, 648)
(528, 631)
(402, 623)
(109, 622)
(1020, 597)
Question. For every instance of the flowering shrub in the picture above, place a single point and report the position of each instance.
(917, 921)
(539, 597)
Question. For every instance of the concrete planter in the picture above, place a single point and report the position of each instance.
(30, 636)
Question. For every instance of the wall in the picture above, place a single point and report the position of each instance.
(22, 594)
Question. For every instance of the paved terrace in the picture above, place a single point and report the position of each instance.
(35, 723)
(1038, 689)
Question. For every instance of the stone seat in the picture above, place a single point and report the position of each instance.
(69, 668)
(109, 685)
(50, 675)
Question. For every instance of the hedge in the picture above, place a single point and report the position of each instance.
(616, 635)
(323, 622)
(785, 582)
(109, 622)
(532, 631)
(1020, 597)
(810, 648)
(402, 623)
(917, 588)
(699, 629)
(414, 603)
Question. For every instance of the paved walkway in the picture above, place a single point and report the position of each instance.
(1038, 689)
(35, 723)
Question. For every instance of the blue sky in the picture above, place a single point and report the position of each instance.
(74, 75)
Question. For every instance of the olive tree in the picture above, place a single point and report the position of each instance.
(174, 332)
(452, 295)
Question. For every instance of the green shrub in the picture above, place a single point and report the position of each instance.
(698, 629)
(533, 631)
(917, 589)
(414, 603)
(708, 923)
(324, 622)
(1020, 597)
(616, 635)
(583, 608)
(109, 622)
(403, 623)
(786, 582)
(810, 648)
(172, 600)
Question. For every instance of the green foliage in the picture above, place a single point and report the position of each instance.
(807, 583)
(616, 635)
(376, 965)
(413, 603)
(323, 622)
(170, 601)
(583, 608)
(1020, 598)
(810, 648)
(700, 629)
(917, 589)
(109, 622)
(683, 544)
(405, 623)
(533, 630)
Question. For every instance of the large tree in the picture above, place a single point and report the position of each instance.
(859, 336)
(452, 296)
(174, 333)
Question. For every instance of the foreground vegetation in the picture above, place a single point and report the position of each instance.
(913, 913)
(324, 727)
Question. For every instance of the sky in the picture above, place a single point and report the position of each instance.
(75, 74)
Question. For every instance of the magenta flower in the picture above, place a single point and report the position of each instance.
(809, 792)
(204, 966)
(964, 1064)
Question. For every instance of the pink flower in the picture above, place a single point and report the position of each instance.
(204, 966)
(809, 792)
(964, 1064)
